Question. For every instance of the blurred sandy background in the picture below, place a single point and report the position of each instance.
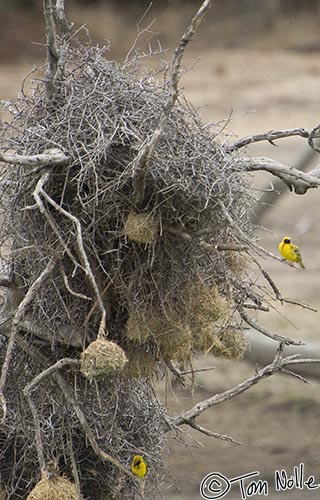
(258, 62)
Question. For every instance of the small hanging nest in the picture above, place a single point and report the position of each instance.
(58, 487)
(102, 358)
(141, 228)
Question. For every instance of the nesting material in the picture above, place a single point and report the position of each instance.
(229, 343)
(206, 305)
(237, 262)
(204, 338)
(168, 333)
(102, 358)
(53, 489)
(141, 363)
(175, 341)
(141, 324)
(142, 228)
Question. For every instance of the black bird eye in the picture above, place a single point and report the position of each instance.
(287, 240)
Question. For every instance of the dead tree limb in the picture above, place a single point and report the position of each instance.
(27, 392)
(52, 44)
(273, 135)
(262, 329)
(142, 161)
(21, 310)
(49, 158)
(262, 351)
(275, 190)
(279, 364)
(295, 179)
(60, 15)
(207, 432)
(36, 194)
(83, 257)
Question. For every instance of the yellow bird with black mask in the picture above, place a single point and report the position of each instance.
(290, 251)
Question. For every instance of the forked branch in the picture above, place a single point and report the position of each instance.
(279, 364)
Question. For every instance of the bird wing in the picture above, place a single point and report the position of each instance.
(296, 251)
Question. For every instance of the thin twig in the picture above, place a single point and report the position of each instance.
(188, 236)
(68, 287)
(314, 134)
(141, 163)
(37, 432)
(36, 194)
(207, 432)
(61, 363)
(84, 258)
(247, 239)
(299, 304)
(198, 370)
(269, 280)
(175, 371)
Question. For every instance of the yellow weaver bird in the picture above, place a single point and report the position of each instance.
(139, 466)
(290, 251)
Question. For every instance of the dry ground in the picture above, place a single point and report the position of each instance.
(277, 422)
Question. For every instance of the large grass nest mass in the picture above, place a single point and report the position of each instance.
(166, 294)
(100, 115)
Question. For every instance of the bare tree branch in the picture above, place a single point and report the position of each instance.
(293, 178)
(63, 22)
(279, 364)
(273, 135)
(21, 310)
(262, 351)
(249, 241)
(36, 194)
(144, 157)
(274, 190)
(49, 158)
(259, 328)
(314, 134)
(27, 392)
(52, 46)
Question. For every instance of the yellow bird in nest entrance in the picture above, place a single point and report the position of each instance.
(139, 466)
(290, 251)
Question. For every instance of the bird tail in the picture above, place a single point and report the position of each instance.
(301, 264)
